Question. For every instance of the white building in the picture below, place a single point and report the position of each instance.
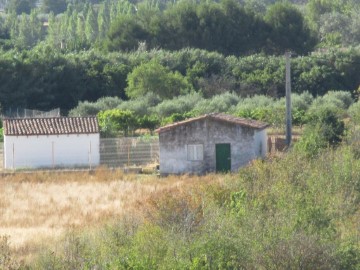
(214, 142)
(51, 142)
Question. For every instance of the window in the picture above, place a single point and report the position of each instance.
(195, 152)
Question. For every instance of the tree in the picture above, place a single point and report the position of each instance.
(289, 31)
(20, 6)
(334, 29)
(55, 6)
(115, 120)
(125, 34)
(155, 78)
(29, 31)
(104, 20)
(91, 26)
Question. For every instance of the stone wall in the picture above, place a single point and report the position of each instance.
(208, 132)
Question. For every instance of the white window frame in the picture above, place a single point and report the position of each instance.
(195, 152)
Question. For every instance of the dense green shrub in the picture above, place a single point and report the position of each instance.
(86, 108)
(142, 105)
(354, 112)
(113, 121)
(180, 105)
(218, 103)
(324, 129)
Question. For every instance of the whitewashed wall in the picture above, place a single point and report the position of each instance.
(51, 151)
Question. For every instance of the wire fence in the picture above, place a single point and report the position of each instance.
(118, 152)
(27, 113)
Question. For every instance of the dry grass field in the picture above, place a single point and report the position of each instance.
(37, 208)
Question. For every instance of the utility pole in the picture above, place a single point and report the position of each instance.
(288, 98)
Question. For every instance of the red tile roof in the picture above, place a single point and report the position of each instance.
(220, 117)
(50, 126)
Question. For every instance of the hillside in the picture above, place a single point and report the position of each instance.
(56, 56)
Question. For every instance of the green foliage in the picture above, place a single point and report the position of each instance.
(180, 105)
(86, 108)
(149, 122)
(141, 106)
(152, 77)
(176, 117)
(43, 78)
(339, 100)
(354, 112)
(55, 6)
(218, 103)
(125, 35)
(115, 120)
(20, 6)
(324, 129)
(289, 29)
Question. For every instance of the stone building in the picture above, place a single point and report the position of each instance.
(214, 142)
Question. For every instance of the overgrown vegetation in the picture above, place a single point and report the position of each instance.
(149, 112)
(287, 213)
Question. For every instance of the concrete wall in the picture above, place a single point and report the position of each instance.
(246, 144)
(51, 151)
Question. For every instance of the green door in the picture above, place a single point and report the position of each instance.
(223, 157)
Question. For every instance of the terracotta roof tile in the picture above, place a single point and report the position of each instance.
(219, 117)
(50, 126)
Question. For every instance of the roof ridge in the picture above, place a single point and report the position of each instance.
(219, 116)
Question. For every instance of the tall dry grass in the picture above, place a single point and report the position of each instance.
(37, 208)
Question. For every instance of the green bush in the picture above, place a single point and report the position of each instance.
(86, 108)
(180, 105)
(354, 112)
(218, 103)
(142, 105)
(111, 122)
(301, 102)
(323, 129)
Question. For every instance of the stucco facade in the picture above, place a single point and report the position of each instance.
(194, 146)
(51, 151)
(51, 142)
